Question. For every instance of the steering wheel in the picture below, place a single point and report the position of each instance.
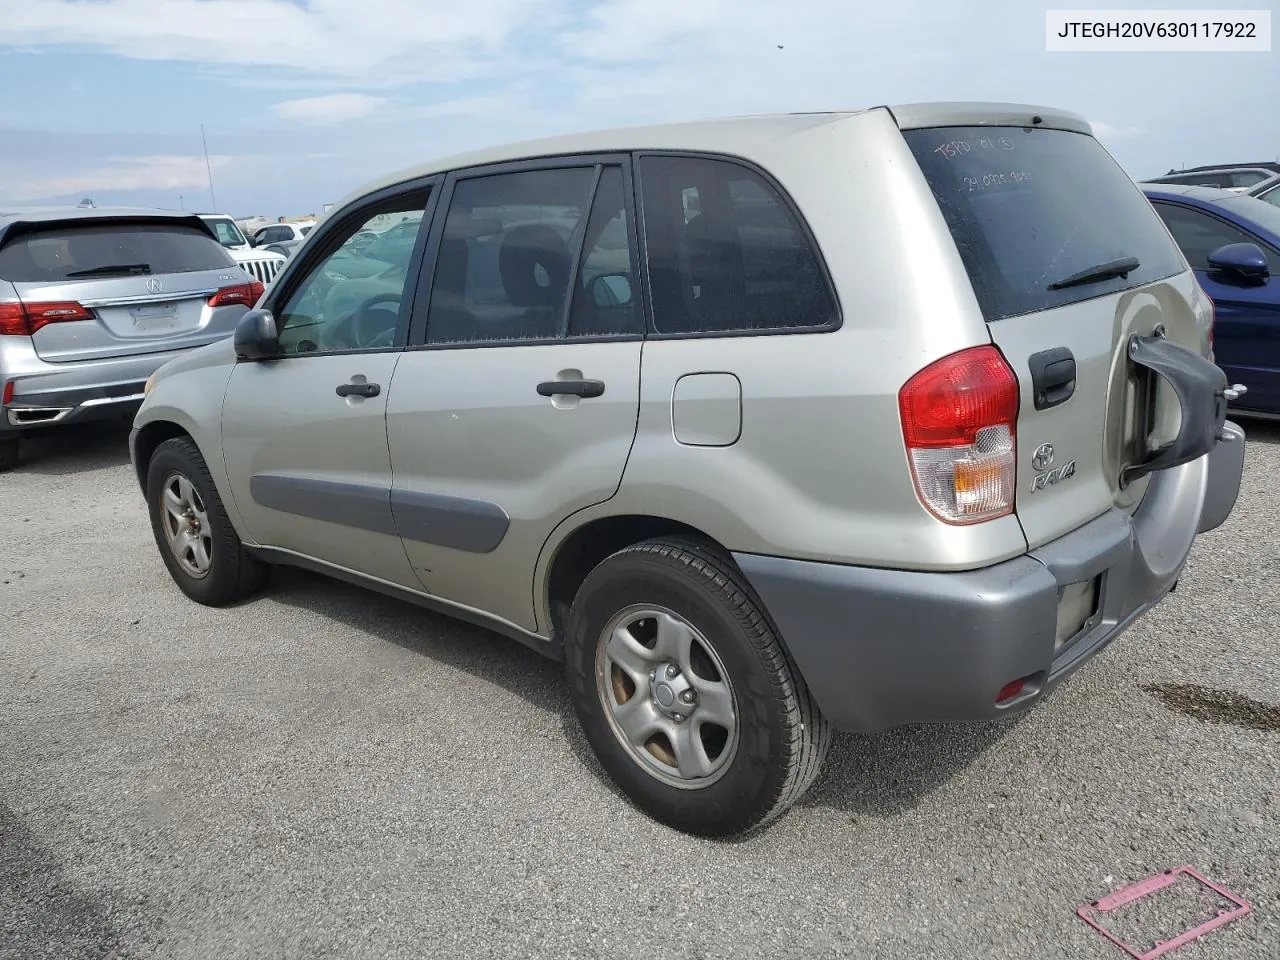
(368, 339)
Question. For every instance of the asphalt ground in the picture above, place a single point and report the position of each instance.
(324, 772)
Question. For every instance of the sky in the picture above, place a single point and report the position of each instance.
(303, 101)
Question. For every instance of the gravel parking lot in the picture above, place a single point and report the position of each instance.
(323, 772)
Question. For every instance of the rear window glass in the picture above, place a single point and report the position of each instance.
(1031, 207)
(73, 252)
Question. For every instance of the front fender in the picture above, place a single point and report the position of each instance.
(188, 394)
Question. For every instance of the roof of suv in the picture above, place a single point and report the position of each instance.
(741, 135)
(14, 216)
(45, 214)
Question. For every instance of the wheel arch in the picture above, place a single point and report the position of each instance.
(147, 438)
(576, 551)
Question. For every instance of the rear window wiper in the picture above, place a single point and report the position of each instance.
(1103, 271)
(128, 269)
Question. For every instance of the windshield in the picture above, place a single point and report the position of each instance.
(1263, 212)
(1030, 208)
(229, 234)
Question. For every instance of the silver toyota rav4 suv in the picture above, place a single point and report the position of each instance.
(95, 300)
(764, 427)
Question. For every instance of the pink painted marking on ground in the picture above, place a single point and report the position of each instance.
(1144, 888)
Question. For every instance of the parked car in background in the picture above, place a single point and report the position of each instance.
(1238, 178)
(1268, 191)
(1233, 244)
(260, 265)
(758, 442)
(94, 300)
(283, 238)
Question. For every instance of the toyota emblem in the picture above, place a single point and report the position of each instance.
(1043, 456)
(154, 285)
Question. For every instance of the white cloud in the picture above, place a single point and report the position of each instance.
(162, 173)
(1110, 131)
(331, 108)
(383, 41)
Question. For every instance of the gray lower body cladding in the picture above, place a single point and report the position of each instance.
(881, 648)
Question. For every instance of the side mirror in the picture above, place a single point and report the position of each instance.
(611, 290)
(1243, 263)
(256, 336)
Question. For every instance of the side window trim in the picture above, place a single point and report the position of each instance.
(443, 196)
(577, 243)
(792, 207)
(296, 271)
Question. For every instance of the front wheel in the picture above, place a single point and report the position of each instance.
(197, 542)
(684, 692)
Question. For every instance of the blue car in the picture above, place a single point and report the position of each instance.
(1233, 244)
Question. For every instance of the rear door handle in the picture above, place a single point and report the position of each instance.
(358, 390)
(573, 388)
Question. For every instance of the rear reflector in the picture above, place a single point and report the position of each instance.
(24, 319)
(1010, 690)
(6, 397)
(959, 420)
(246, 294)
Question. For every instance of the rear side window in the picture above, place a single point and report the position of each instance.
(1029, 208)
(726, 252)
(229, 234)
(504, 270)
(73, 252)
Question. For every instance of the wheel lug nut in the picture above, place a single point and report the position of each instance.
(672, 670)
(678, 717)
(688, 696)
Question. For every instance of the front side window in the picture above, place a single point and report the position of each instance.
(349, 299)
(1199, 234)
(1272, 196)
(503, 273)
(725, 251)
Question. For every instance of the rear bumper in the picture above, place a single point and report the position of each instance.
(50, 394)
(881, 648)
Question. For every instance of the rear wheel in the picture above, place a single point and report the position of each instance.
(8, 453)
(197, 542)
(684, 692)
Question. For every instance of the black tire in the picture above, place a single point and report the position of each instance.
(8, 453)
(233, 574)
(782, 738)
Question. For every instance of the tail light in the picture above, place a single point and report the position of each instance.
(24, 319)
(242, 293)
(6, 395)
(959, 421)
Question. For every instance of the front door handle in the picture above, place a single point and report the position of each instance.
(358, 390)
(572, 388)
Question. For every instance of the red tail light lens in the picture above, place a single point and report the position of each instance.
(6, 396)
(959, 421)
(24, 319)
(242, 293)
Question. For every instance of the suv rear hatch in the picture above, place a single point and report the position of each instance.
(1069, 263)
(99, 287)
